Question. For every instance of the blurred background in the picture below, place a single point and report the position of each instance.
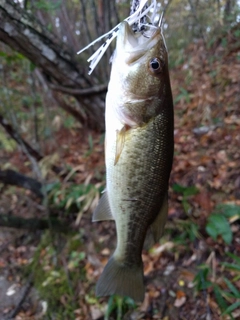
(52, 163)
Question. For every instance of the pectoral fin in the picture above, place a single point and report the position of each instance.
(158, 225)
(120, 140)
(103, 211)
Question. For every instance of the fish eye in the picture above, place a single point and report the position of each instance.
(155, 65)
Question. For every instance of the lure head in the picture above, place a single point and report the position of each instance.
(139, 74)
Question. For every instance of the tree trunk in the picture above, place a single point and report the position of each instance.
(24, 33)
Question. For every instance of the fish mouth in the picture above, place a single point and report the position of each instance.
(136, 45)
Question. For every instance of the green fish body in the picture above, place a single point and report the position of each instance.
(138, 155)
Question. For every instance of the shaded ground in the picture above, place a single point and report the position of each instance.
(207, 157)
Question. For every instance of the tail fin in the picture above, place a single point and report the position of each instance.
(121, 279)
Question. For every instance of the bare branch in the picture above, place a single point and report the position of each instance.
(25, 145)
(7, 220)
(12, 177)
(24, 295)
(24, 33)
(77, 114)
(80, 92)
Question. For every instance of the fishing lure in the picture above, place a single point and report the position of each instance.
(136, 18)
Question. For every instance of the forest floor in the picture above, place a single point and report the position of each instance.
(193, 273)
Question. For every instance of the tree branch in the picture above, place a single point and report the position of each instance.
(80, 92)
(14, 178)
(32, 224)
(14, 135)
(25, 34)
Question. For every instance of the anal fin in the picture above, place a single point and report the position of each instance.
(103, 211)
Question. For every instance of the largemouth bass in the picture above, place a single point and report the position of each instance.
(138, 155)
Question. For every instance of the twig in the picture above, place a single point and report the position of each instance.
(24, 144)
(80, 92)
(85, 24)
(96, 19)
(77, 114)
(32, 88)
(194, 13)
(32, 224)
(166, 7)
(25, 293)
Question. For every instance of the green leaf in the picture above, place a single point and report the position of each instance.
(231, 266)
(200, 279)
(183, 94)
(218, 295)
(212, 231)
(237, 33)
(234, 257)
(186, 206)
(232, 288)
(232, 307)
(45, 5)
(110, 307)
(219, 225)
(229, 210)
(50, 186)
(186, 191)
(129, 302)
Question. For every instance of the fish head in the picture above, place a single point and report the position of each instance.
(140, 74)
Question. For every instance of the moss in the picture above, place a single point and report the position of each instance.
(57, 278)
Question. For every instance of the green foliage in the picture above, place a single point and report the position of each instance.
(48, 5)
(218, 293)
(188, 231)
(6, 143)
(218, 223)
(118, 306)
(69, 122)
(234, 267)
(55, 278)
(186, 192)
(12, 57)
(201, 279)
(228, 299)
(231, 294)
(183, 95)
(90, 144)
(75, 258)
(227, 295)
(185, 231)
(71, 197)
